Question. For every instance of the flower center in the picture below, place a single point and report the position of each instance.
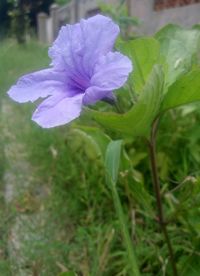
(78, 82)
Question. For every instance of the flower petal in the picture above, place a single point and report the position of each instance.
(111, 72)
(67, 54)
(37, 85)
(78, 46)
(99, 29)
(100, 33)
(94, 94)
(68, 43)
(58, 110)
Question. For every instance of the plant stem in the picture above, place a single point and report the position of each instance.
(156, 183)
(123, 225)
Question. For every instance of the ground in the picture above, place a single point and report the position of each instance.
(56, 211)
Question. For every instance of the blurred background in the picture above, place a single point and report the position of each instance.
(56, 213)
(43, 18)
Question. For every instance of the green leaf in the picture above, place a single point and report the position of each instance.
(144, 53)
(68, 273)
(112, 159)
(191, 266)
(141, 196)
(92, 139)
(178, 48)
(185, 90)
(129, 20)
(137, 121)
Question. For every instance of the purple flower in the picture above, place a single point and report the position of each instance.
(83, 71)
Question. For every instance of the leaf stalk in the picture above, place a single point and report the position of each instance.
(156, 184)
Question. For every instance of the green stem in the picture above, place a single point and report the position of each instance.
(124, 230)
(156, 183)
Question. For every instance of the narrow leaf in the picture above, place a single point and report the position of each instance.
(112, 159)
(92, 140)
(112, 162)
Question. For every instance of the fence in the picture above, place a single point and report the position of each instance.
(152, 19)
(163, 4)
(48, 26)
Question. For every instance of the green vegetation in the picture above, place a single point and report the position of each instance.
(80, 231)
(62, 2)
(19, 17)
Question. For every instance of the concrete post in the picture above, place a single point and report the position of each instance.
(41, 26)
(142, 9)
(55, 19)
(76, 9)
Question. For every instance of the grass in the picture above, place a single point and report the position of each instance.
(80, 231)
(73, 224)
